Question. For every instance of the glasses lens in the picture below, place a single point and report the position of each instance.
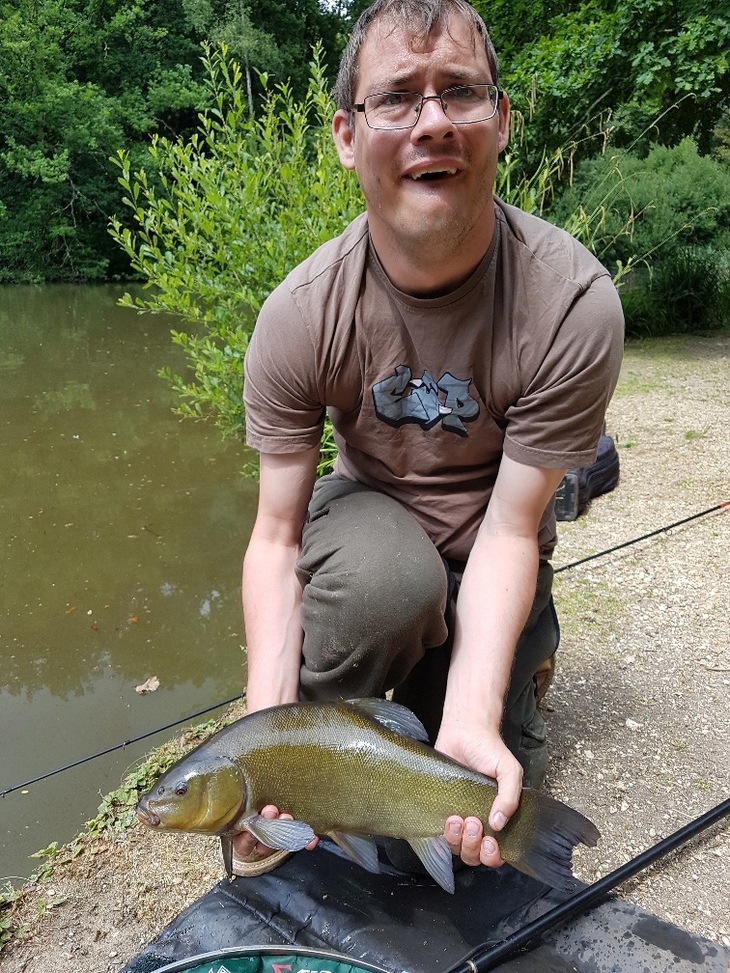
(392, 109)
(470, 102)
(462, 104)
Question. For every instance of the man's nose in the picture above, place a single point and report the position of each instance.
(432, 119)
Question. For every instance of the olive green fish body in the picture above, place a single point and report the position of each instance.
(347, 769)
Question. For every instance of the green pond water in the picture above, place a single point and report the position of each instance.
(122, 529)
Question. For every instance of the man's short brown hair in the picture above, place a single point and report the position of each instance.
(417, 18)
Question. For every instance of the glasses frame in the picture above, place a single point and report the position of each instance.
(424, 98)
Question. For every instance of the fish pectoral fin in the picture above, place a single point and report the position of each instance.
(393, 716)
(362, 850)
(279, 832)
(435, 855)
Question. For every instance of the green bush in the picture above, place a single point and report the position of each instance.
(687, 293)
(240, 204)
(653, 207)
(668, 215)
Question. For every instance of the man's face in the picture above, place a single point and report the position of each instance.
(429, 186)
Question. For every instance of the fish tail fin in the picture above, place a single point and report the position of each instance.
(557, 830)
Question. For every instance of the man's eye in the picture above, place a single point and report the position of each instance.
(464, 93)
(392, 99)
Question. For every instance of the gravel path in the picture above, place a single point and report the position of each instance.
(639, 719)
(641, 724)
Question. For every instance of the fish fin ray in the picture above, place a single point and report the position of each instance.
(361, 849)
(392, 715)
(435, 855)
(279, 832)
(558, 830)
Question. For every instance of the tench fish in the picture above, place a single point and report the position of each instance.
(352, 770)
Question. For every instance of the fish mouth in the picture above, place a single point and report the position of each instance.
(147, 817)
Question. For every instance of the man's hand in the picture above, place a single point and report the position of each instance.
(486, 753)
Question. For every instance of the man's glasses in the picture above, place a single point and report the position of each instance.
(462, 104)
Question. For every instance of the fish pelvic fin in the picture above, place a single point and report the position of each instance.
(557, 830)
(435, 855)
(392, 715)
(361, 849)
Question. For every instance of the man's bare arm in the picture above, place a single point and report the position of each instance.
(271, 592)
(495, 598)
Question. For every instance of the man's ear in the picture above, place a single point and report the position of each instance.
(343, 133)
(503, 137)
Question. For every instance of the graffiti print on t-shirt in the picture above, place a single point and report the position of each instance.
(401, 398)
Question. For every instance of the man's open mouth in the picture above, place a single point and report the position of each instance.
(432, 174)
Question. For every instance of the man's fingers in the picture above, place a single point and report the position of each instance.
(471, 841)
(489, 853)
(452, 832)
(465, 838)
(508, 796)
(244, 843)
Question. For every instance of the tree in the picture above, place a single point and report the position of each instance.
(252, 46)
(55, 139)
(637, 65)
(80, 79)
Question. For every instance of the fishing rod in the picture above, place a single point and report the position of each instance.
(490, 955)
(564, 567)
(653, 533)
(120, 746)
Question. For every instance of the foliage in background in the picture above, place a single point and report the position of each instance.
(688, 293)
(80, 80)
(670, 213)
(240, 204)
(638, 64)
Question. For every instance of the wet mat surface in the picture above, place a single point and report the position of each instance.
(407, 923)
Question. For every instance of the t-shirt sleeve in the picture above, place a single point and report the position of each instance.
(284, 411)
(557, 421)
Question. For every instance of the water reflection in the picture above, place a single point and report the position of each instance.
(121, 532)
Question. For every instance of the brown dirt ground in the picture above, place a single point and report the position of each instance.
(638, 715)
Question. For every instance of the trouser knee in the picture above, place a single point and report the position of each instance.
(373, 592)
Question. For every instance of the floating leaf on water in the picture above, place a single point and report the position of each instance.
(149, 686)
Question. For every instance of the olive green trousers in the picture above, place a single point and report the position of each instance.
(378, 604)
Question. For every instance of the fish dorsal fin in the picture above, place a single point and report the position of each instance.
(392, 715)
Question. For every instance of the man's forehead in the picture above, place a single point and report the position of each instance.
(392, 52)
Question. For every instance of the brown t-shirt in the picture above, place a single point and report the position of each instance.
(426, 395)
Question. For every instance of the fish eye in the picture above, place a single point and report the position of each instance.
(181, 790)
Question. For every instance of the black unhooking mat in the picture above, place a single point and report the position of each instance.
(401, 923)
